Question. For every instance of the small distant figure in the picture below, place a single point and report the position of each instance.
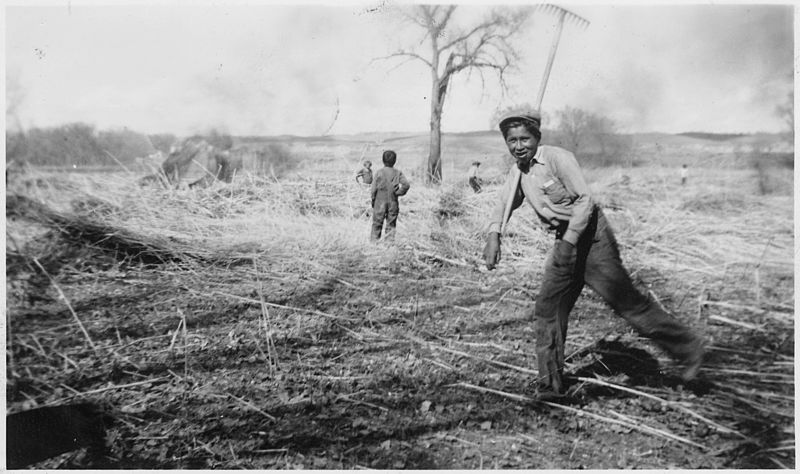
(365, 173)
(388, 184)
(474, 181)
(684, 174)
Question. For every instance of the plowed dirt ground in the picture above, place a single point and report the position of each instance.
(404, 355)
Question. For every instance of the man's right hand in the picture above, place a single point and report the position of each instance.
(491, 253)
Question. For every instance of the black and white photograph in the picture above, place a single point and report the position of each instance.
(398, 235)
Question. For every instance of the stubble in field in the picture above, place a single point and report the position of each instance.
(255, 326)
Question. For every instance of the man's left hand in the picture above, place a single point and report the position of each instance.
(564, 253)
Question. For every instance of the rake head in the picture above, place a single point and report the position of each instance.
(567, 15)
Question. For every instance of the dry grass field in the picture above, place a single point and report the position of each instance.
(253, 325)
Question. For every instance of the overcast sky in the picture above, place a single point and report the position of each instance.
(269, 69)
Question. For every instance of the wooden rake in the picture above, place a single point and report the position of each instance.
(563, 15)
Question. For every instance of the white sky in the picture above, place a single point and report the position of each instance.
(268, 69)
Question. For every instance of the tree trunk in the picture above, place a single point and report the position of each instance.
(433, 173)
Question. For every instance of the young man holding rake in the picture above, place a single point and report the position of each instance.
(585, 252)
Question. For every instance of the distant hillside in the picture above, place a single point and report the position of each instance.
(667, 139)
(460, 149)
(490, 141)
(712, 136)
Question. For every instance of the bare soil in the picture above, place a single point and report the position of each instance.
(411, 360)
(372, 379)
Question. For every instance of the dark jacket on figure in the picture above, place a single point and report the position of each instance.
(387, 184)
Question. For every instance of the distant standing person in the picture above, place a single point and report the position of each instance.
(684, 174)
(388, 184)
(585, 252)
(474, 181)
(365, 173)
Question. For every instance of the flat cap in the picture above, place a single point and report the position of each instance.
(522, 114)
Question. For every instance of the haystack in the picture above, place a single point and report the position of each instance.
(82, 230)
(225, 165)
(197, 163)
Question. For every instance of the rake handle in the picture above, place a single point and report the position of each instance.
(551, 57)
(562, 13)
(510, 200)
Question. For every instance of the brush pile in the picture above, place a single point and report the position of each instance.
(254, 326)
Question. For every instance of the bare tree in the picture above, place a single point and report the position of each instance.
(603, 130)
(593, 135)
(573, 123)
(483, 46)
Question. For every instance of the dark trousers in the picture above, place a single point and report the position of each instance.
(475, 183)
(384, 211)
(597, 263)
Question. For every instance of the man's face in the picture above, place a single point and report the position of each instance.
(522, 145)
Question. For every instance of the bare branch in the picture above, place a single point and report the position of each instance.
(401, 63)
(415, 18)
(428, 14)
(444, 21)
(403, 53)
(498, 24)
(433, 24)
(465, 37)
(419, 17)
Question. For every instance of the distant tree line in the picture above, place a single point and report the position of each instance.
(594, 138)
(81, 145)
